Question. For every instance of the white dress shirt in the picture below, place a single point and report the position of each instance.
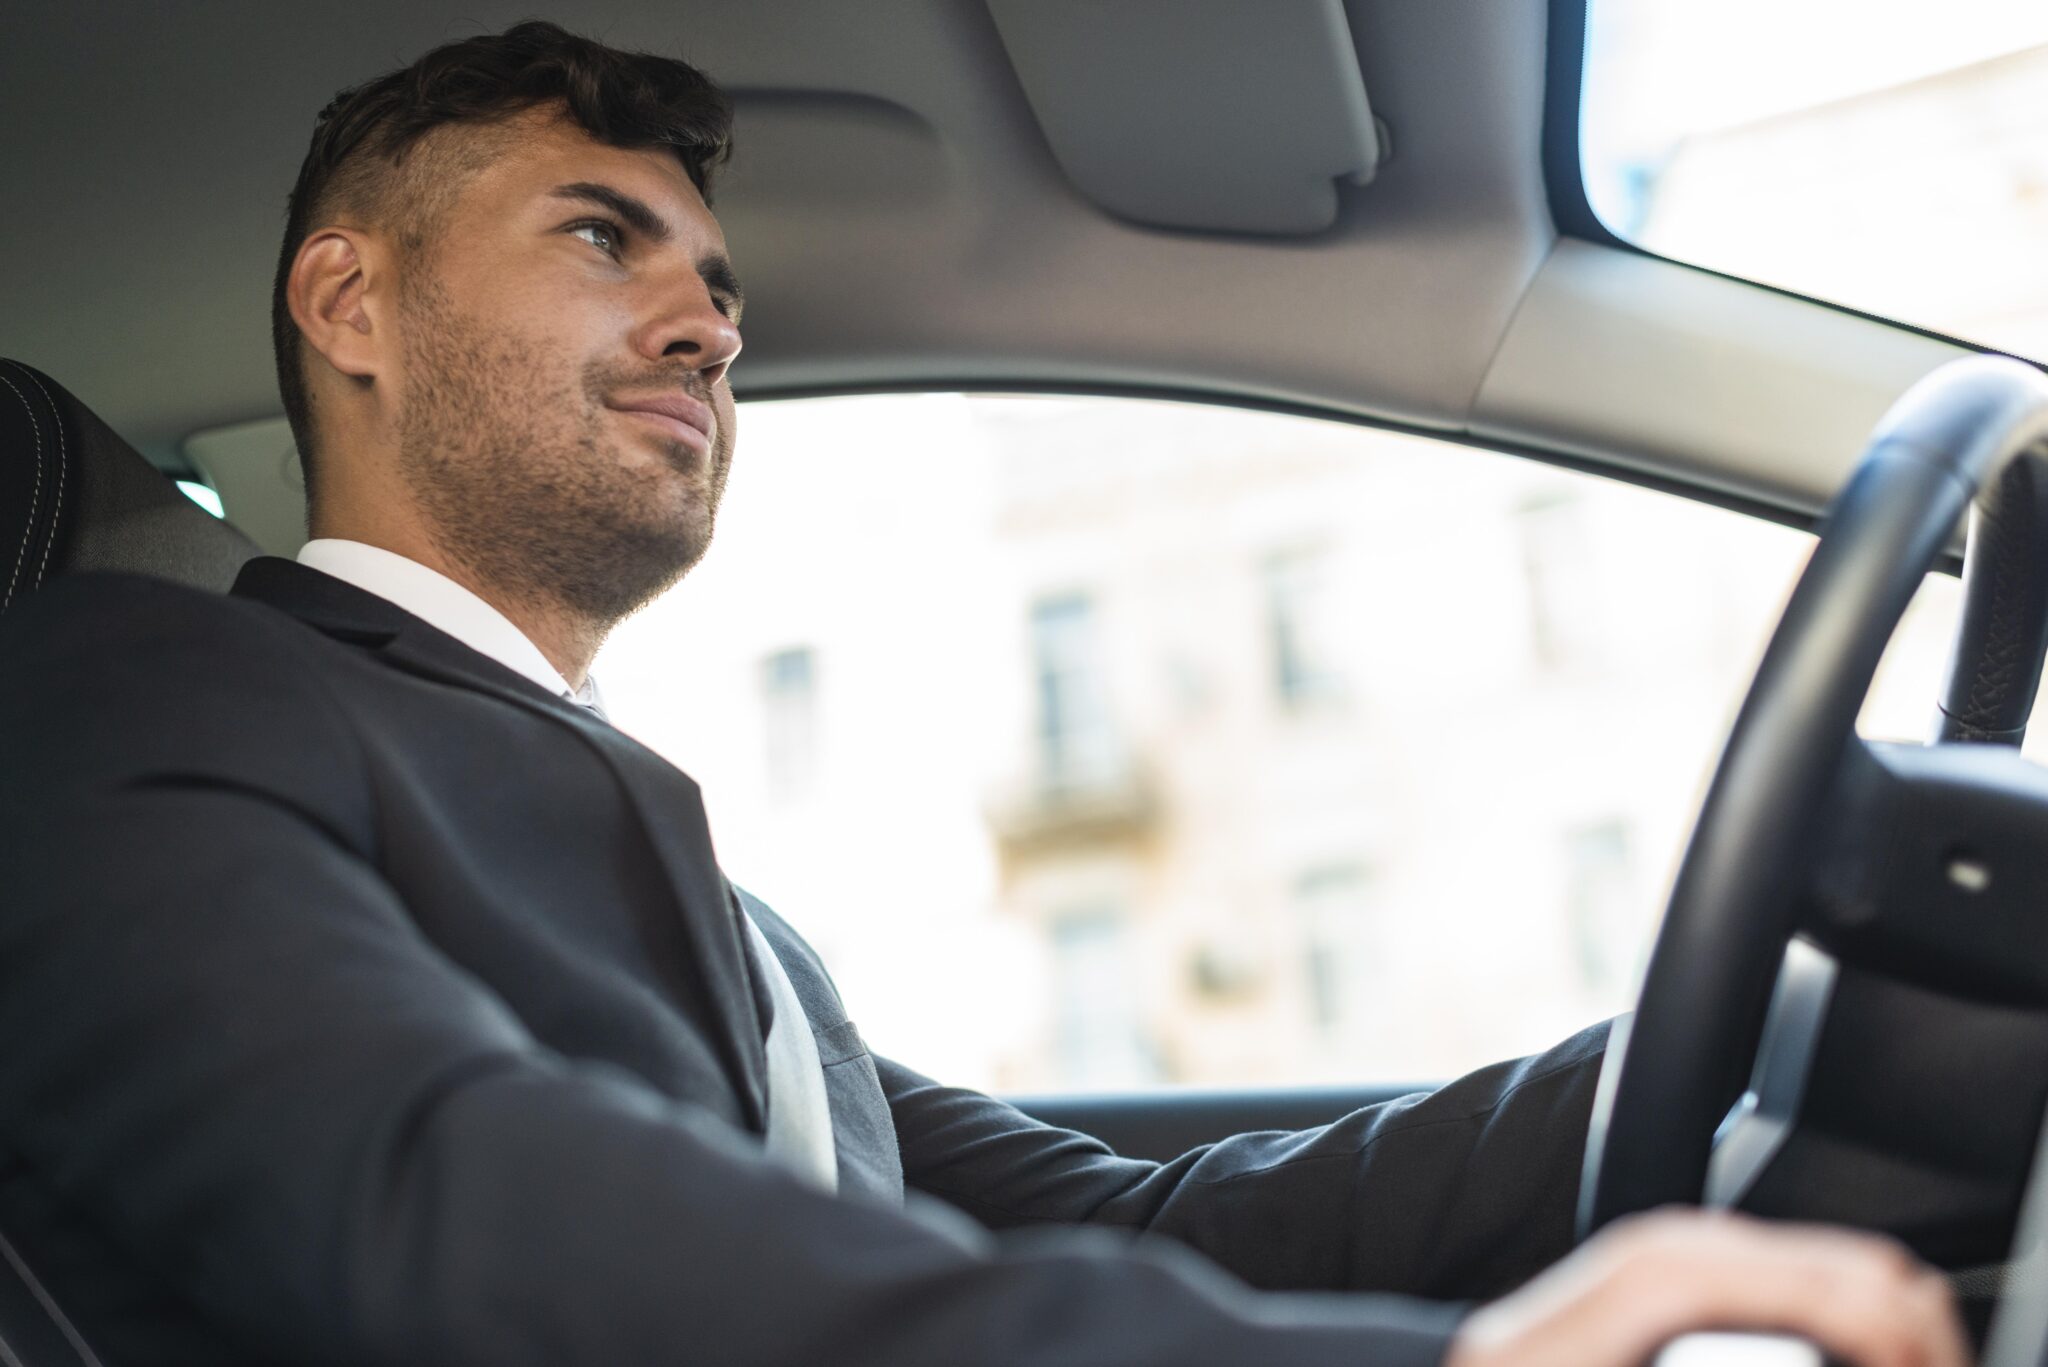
(799, 1119)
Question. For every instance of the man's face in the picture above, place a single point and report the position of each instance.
(564, 418)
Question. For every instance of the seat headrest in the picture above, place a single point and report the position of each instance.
(74, 496)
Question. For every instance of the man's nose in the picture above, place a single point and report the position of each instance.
(689, 324)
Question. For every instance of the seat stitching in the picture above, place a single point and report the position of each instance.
(35, 496)
(63, 464)
(71, 1334)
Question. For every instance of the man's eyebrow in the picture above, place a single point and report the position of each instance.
(717, 274)
(634, 213)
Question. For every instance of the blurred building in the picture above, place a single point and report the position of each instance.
(1103, 742)
(1345, 754)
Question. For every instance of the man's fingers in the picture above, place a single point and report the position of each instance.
(1875, 1306)
(1862, 1298)
(1652, 1278)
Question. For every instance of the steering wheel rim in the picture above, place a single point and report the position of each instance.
(1676, 1065)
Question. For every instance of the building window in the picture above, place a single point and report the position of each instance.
(1601, 902)
(789, 697)
(1098, 1034)
(1076, 742)
(1342, 957)
(1304, 663)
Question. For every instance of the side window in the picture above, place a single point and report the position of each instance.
(1104, 743)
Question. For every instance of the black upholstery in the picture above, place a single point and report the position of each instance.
(34, 1330)
(74, 496)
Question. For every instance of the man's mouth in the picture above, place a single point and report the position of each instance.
(677, 416)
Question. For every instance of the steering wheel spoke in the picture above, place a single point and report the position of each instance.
(1934, 870)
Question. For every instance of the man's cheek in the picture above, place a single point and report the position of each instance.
(728, 431)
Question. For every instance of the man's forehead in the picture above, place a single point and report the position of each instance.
(544, 151)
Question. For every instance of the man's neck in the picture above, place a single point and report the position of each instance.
(568, 641)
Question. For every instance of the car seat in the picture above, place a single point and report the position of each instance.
(74, 496)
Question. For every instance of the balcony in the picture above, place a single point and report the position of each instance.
(1108, 800)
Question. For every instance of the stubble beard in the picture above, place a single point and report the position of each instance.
(503, 443)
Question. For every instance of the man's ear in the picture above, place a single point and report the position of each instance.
(328, 295)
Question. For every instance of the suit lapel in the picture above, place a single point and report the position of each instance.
(667, 801)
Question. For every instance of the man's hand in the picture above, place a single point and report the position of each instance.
(1646, 1280)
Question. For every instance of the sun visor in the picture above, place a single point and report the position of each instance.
(1224, 115)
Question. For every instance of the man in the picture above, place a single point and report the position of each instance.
(369, 999)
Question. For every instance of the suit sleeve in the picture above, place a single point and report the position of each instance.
(1464, 1192)
(231, 1051)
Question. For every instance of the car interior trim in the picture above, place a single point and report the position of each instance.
(1781, 391)
(2019, 1329)
(1762, 1120)
(1267, 160)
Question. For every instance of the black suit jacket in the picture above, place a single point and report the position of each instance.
(362, 1003)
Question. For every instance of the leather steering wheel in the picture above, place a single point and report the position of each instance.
(1740, 977)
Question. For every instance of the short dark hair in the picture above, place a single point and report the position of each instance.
(358, 162)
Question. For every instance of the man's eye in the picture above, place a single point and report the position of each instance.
(603, 236)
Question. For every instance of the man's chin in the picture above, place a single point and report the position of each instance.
(622, 585)
(669, 550)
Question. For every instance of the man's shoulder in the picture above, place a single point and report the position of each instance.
(138, 619)
(95, 661)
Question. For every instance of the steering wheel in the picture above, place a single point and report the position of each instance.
(1814, 850)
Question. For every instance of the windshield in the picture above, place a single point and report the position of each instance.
(1888, 155)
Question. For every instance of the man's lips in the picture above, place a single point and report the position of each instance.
(679, 416)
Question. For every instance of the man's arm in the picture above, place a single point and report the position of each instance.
(233, 1053)
(1464, 1193)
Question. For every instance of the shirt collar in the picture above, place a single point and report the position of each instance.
(445, 605)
